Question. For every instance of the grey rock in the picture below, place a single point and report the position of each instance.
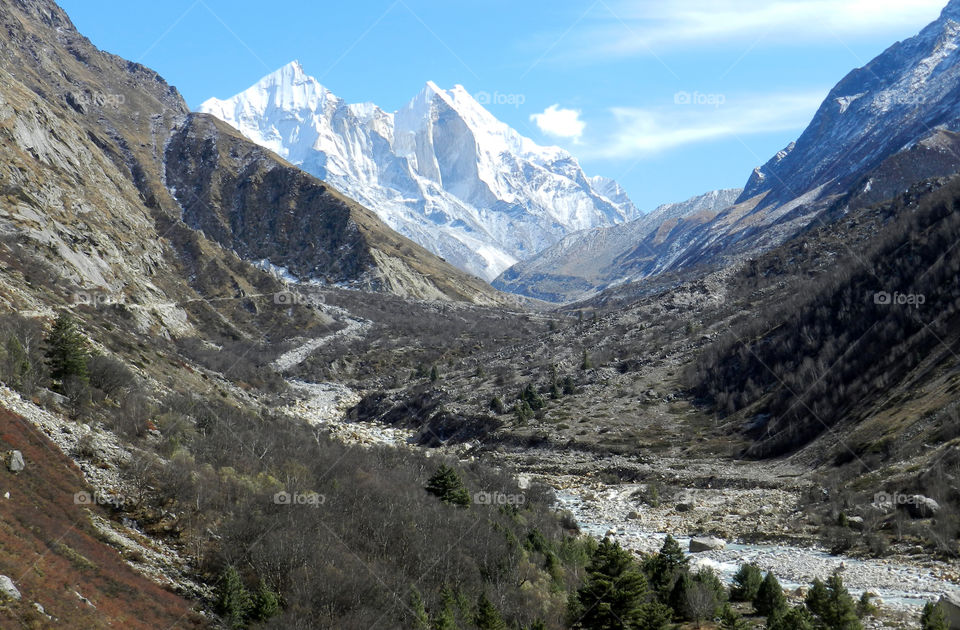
(14, 461)
(919, 506)
(706, 543)
(951, 609)
(7, 588)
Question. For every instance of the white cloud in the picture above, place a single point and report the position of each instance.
(562, 123)
(692, 119)
(625, 27)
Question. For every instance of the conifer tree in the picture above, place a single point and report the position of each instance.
(614, 593)
(448, 487)
(66, 351)
(488, 618)
(265, 603)
(682, 587)
(796, 618)
(663, 568)
(770, 597)
(446, 618)
(746, 583)
(533, 398)
(731, 619)
(233, 600)
(420, 621)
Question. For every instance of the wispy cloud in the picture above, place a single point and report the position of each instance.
(696, 118)
(624, 28)
(559, 122)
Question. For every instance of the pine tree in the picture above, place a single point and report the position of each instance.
(678, 597)
(865, 606)
(569, 387)
(770, 597)
(555, 391)
(654, 616)
(496, 405)
(817, 598)
(731, 619)
(487, 617)
(265, 603)
(933, 617)
(446, 618)
(796, 618)
(533, 398)
(66, 351)
(233, 600)
(833, 605)
(672, 553)
(585, 362)
(614, 592)
(447, 485)
(420, 621)
(746, 583)
(434, 374)
(663, 568)
(16, 364)
(522, 412)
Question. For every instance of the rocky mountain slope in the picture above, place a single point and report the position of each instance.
(249, 201)
(86, 187)
(904, 95)
(586, 262)
(442, 171)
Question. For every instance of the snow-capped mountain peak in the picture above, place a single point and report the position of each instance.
(903, 95)
(442, 170)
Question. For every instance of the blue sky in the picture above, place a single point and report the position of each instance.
(670, 98)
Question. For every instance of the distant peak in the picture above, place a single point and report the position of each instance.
(291, 70)
(951, 11)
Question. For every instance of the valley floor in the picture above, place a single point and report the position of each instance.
(757, 508)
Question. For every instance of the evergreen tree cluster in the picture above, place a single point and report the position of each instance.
(620, 592)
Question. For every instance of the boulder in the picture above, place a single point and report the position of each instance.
(919, 506)
(14, 461)
(855, 522)
(684, 507)
(706, 543)
(7, 588)
(951, 609)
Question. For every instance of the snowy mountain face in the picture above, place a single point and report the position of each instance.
(442, 171)
(902, 96)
